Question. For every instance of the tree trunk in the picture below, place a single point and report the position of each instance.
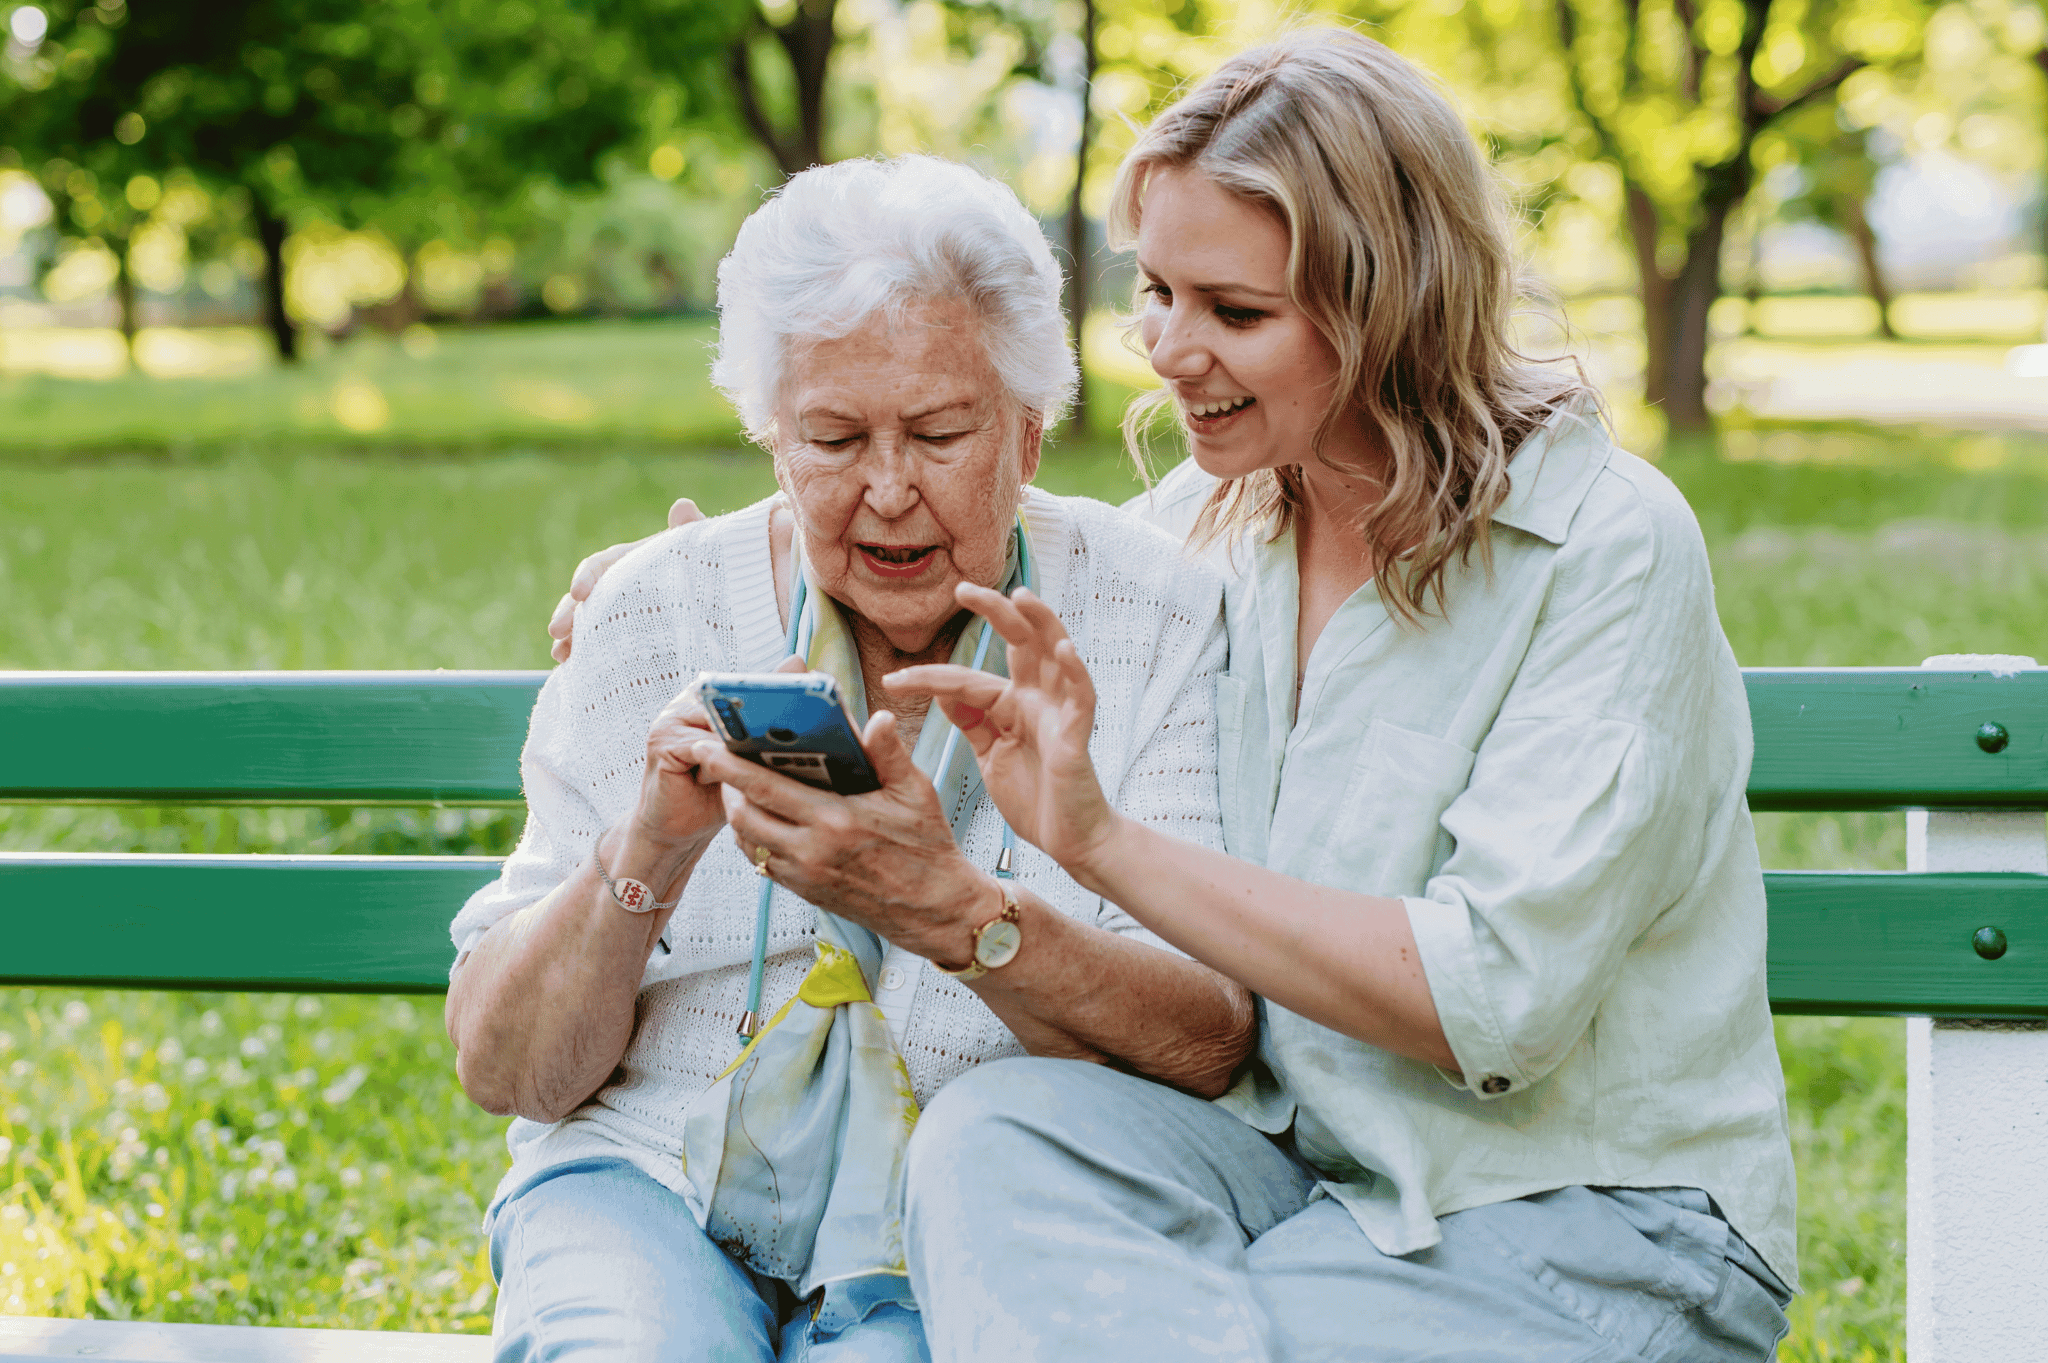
(124, 295)
(270, 232)
(2041, 60)
(807, 39)
(1655, 291)
(1697, 287)
(1080, 282)
(1857, 224)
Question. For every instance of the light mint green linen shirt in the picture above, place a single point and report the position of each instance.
(1551, 777)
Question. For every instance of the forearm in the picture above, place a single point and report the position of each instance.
(542, 1009)
(1345, 960)
(1080, 992)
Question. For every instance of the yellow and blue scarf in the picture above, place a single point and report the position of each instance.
(795, 1153)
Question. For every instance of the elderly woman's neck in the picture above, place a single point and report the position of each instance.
(879, 657)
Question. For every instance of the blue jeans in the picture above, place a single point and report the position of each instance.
(1064, 1212)
(595, 1260)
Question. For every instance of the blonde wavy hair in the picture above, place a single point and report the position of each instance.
(1401, 253)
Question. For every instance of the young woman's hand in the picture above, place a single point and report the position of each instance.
(562, 628)
(1030, 732)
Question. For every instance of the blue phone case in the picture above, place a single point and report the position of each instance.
(792, 722)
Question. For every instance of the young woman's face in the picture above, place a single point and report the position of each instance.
(1251, 376)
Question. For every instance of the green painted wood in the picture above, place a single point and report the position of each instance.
(1841, 942)
(1895, 738)
(1841, 738)
(317, 924)
(1846, 943)
(264, 737)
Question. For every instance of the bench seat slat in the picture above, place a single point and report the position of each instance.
(1841, 942)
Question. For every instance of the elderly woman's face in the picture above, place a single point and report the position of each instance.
(903, 457)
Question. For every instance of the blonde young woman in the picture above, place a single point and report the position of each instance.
(1490, 870)
(1484, 755)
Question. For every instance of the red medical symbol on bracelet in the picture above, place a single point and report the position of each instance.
(632, 894)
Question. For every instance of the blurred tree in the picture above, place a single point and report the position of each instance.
(1675, 94)
(398, 111)
(1833, 174)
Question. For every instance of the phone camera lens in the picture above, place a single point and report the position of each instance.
(783, 736)
(729, 714)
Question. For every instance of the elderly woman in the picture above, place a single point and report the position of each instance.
(891, 332)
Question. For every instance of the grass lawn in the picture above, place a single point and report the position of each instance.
(309, 1160)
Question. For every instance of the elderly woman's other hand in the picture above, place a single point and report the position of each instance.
(886, 860)
(562, 627)
(1029, 731)
(680, 806)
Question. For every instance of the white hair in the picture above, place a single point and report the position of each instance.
(839, 244)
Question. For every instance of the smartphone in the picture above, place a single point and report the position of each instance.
(796, 723)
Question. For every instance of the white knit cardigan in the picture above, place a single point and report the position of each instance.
(1146, 619)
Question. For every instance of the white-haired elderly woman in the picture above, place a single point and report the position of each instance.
(891, 332)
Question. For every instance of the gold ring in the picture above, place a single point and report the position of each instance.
(761, 855)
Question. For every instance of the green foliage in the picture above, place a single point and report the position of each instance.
(242, 1159)
(1844, 1084)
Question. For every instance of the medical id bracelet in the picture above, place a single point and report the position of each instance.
(629, 894)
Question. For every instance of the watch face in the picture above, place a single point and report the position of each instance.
(997, 945)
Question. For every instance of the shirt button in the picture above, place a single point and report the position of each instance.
(892, 977)
(1494, 1084)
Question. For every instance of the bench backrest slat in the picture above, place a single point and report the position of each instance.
(319, 924)
(1837, 738)
(1840, 943)
(1896, 738)
(264, 737)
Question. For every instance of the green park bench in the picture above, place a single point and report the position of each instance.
(1959, 943)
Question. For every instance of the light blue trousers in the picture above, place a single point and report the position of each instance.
(1061, 1212)
(595, 1260)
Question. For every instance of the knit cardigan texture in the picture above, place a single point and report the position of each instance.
(1147, 621)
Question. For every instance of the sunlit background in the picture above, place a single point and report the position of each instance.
(333, 333)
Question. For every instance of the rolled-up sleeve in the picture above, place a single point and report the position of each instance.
(1588, 814)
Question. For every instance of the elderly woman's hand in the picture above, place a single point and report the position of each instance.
(1029, 732)
(680, 807)
(886, 859)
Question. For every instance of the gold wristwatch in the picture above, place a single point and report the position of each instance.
(996, 942)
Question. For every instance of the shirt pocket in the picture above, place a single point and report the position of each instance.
(1388, 838)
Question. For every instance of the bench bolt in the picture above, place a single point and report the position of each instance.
(1992, 737)
(1990, 943)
